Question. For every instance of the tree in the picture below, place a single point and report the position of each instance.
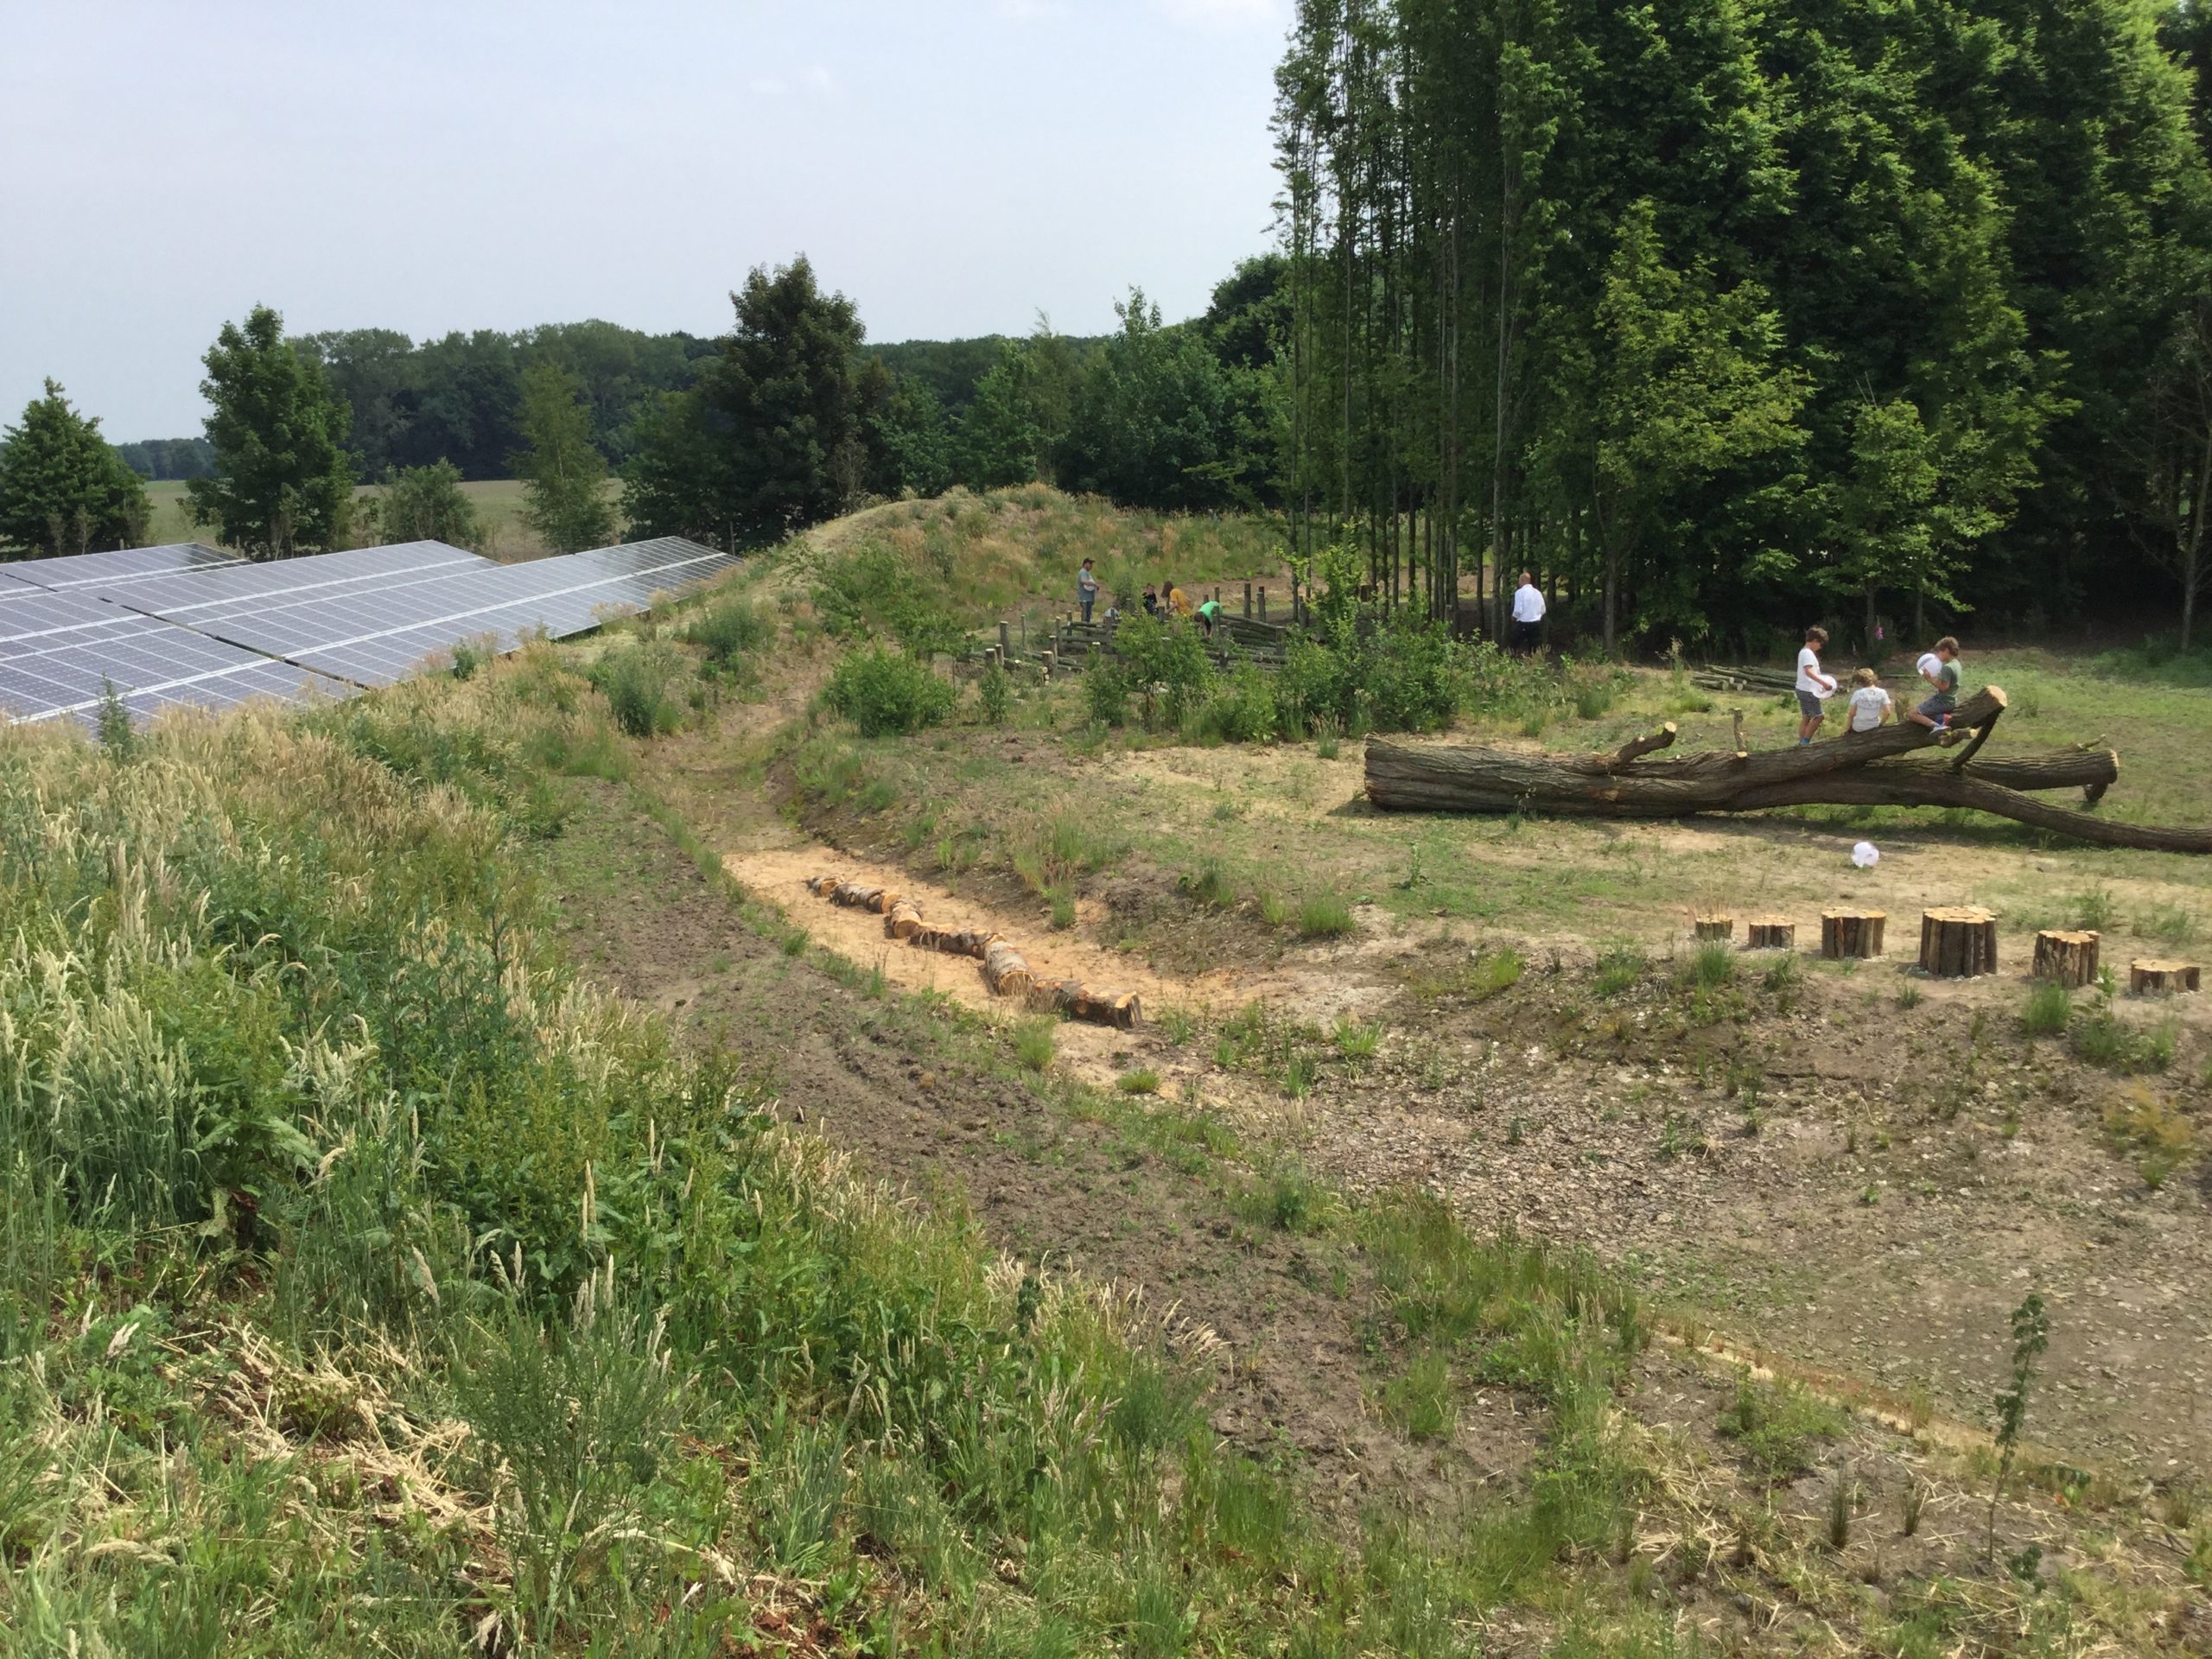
(425, 504)
(2174, 459)
(63, 489)
(283, 483)
(1015, 425)
(914, 438)
(565, 477)
(1688, 383)
(1884, 510)
(779, 431)
(1155, 417)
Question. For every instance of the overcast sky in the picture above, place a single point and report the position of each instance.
(956, 165)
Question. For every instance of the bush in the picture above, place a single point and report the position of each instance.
(726, 632)
(871, 590)
(2050, 1008)
(886, 693)
(994, 692)
(1106, 693)
(1241, 709)
(1166, 666)
(638, 677)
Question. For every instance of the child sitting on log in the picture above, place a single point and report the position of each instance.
(1936, 713)
(1871, 706)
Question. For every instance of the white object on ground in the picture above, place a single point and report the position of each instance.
(1866, 855)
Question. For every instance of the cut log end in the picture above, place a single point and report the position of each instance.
(1709, 928)
(1006, 970)
(1072, 999)
(1851, 934)
(2066, 957)
(903, 921)
(2161, 977)
(1957, 942)
(1769, 933)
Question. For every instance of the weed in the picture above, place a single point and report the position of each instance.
(2146, 1127)
(1143, 1081)
(1712, 964)
(1298, 1076)
(1421, 1398)
(2093, 908)
(1619, 968)
(1481, 975)
(1287, 1199)
(638, 679)
(2174, 924)
(2050, 1010)
(1328, 737)
(1275, 909)
(1908, 994)
(1840, 1507)
(1912, 1503)
(1063, 904)
(1356, 1042)
(1779, 1425)
(729, 631)
(2104, 1039)
(1034, 1044)
(1323, 916)
(1209, 885)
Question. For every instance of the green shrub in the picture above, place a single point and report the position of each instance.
(638, 678)
(1106, 692)
(729, 631)
(2051, 1007)
(886, 693)
(994, 692)
(870, 589)
(1243, 707)
(1165, 667)
(1711, 965)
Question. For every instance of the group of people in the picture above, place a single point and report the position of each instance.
(1161, 599)
(1870, 706)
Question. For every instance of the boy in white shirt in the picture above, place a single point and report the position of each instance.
(1812, 686)
(1871, 707)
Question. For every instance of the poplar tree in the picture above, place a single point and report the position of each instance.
(563, 474)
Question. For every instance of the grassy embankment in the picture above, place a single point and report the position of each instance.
(371, 1282)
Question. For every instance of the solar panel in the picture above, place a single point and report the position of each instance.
(192, 596)
(59, 653)
(122, 565)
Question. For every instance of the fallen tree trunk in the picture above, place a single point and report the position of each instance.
(1073, 999)
(954, 941)
(1006, 970)
(1860, 769)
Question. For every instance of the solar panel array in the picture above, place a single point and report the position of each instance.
(191, 624)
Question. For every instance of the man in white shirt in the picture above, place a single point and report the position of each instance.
(1528, 616)
(1812, 686)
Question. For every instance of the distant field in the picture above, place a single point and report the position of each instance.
(498, 499)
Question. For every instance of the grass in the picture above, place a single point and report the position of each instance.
(1034, 1043)
(1324, 916)
(498, 503)
(1779, 1427)
(1619, 968)
(2147, 1128)
(1142, 1081)
(2104, 1039)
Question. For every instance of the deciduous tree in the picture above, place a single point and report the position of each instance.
(565, 477)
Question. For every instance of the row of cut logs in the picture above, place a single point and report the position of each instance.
(1956, 942)
(1006, 970)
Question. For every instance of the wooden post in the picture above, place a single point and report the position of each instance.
(1713, 927)
(1263, 602)
(1847, 933)
(1957, 942)
(1006, 641)
(1051, 661)
(1741, 754)
(1769, 933)
(2068, 958)
(1247, 601)
(2161, 977)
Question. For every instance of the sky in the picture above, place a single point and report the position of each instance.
(955, 166)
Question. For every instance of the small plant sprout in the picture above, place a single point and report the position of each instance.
(1839, 1497)
(1912, 1503)
(2031, 1337)
(1034, 1044)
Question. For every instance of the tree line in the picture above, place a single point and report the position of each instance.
(1718, 314)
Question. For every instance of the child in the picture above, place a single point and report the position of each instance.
(1871, 706)
(1812, 686)
(1936, 713)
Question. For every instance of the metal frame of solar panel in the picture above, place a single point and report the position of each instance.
(118, 565)
(60, 652)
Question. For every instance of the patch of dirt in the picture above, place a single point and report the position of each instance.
(898, 1087)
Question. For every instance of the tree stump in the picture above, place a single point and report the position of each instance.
(2161, 977)
(2068, 958)
(1006, 970)
(903, 921)
(1847, 933)
(1713, 927)
(1957, 942)
(1770, 933)
(1075, 1001)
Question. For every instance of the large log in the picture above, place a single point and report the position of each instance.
(1006, 970)
(1859, 769)
(1073, 999)
(954, 941)
(903, 921)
